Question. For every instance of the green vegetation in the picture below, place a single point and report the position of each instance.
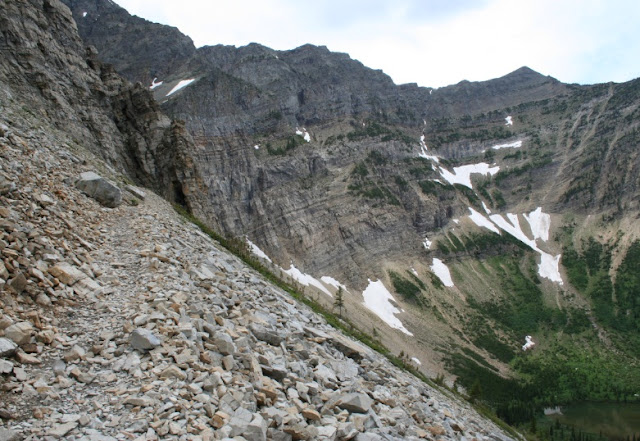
(360, 170)
(541, 162)
(404, 287)
(368, 188)
(373, 129)
(289, 145)
(616, 307)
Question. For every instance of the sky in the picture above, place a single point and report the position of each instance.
(430, 42)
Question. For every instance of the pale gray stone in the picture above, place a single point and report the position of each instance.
(224, 343)
(355, 402)
(9, 435)
(102, 190)
(144, 340)
(19, 333)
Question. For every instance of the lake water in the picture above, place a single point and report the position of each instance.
(614, 420)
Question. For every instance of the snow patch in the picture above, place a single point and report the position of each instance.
(154, 84)
(257, 147)
(509, 121)
(304, 134)
(257, 251)
(416, 361)
(511, 145)
(84, 14)
(513, 228)
(333, 282)
(462, 175)
(549, 267)
(306, 279)
(540, 223)
(427, 243)
(482, 221)
(378, 300)
(486, 209)
(441, 270)
(415, 273)
(424, 151)
(181, 85)
(528, 343)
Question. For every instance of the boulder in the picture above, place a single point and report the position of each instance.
(7, 347)
(256, 430)
(224, 343)
(19, 333)
(18, 283)
(355, 402)
(144, 340)
(102, 190)
(67, 273)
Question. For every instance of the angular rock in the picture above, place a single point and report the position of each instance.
(25, 358)
(61, 430)
(9, 435)
(18, 283)
(7, 347)
(6, 367)
(256, 430)
(355, 402)
(67, 273)
(264, 334)
(6, 186)
(311, 414)
(144, 340)
(19, 333)
(75, 353)
(136, 192)
(224, 343)
(102, 190)
(173, 371)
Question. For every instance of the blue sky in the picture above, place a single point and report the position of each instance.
(430, 42)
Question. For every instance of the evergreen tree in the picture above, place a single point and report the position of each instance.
(475, 393)
(339, 301)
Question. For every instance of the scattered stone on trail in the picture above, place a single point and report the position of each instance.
(133, 324)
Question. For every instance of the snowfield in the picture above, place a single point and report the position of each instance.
(181, 85)
(528, 343)
(441, 270)
(511, 145)
(378, 300)
(482, 221)
(154, 84)
(333, 282)
(462, 175)
(257, 251)
(549, 267)
(306, 279)
(540, 224)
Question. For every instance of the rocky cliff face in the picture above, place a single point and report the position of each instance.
(48, 69)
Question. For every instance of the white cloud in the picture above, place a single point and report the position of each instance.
(429, 42)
